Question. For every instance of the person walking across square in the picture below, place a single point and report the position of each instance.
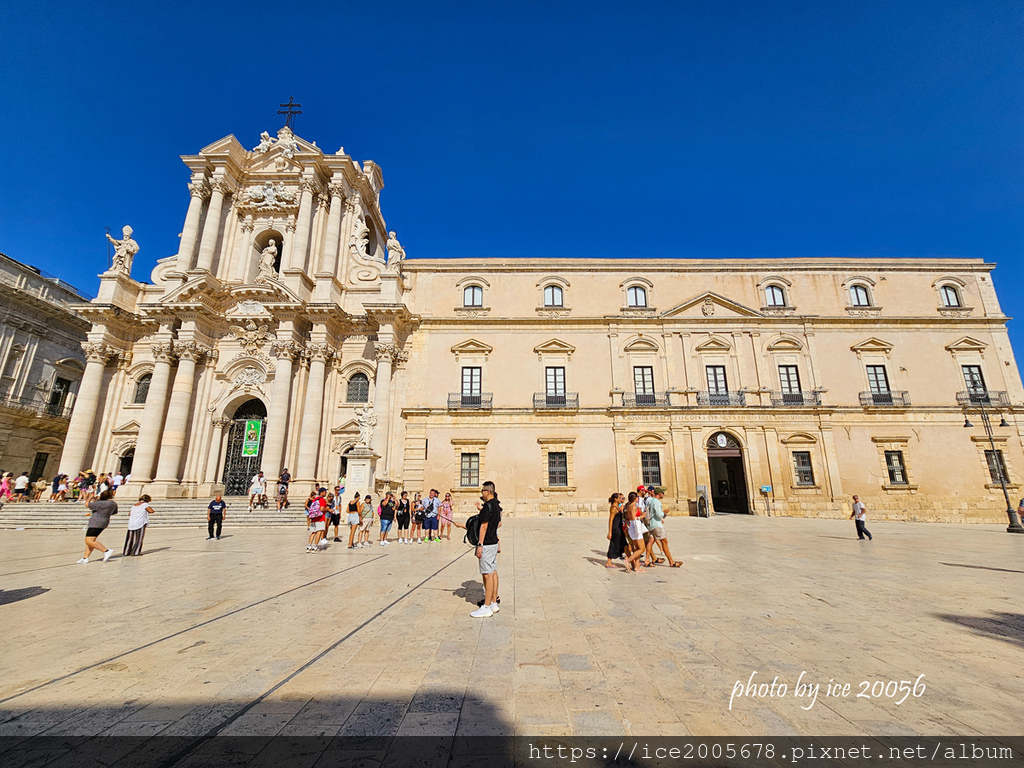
(215, 516)
(860, 516)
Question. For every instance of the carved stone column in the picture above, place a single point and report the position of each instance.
(333, 236)
(152, 415)
(83, 417)
(211, 231)
(213, 462)
(190, 233)
(277, 414)
(300, 248)
(243, 251)
(312, 413)
(386, 353)
(173, 440)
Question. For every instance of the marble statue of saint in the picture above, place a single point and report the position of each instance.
(265, 143)
(367, 420)
(396, 253)
(124, 251)
(267, 261)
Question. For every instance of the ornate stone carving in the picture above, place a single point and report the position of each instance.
(367, 420)
(250, 336)
(221, 186)
(199, 189)
(708, 308)
(265, 144)
(268, 196)
(95, 352)
(247, 225)
(287, 143)
(124, 359)
(311, 186)
(467, 312)
(863, 311)
(354, 204)
(250, 307)
(382, 350)
(189, 350)
(220, 423)
(318, 351)
(124, 251)
(778, 311)
(396, 253)
(336, 190)
(282, 349)
(249, 377)
(162, 352)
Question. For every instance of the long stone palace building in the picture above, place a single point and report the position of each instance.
(289, 331)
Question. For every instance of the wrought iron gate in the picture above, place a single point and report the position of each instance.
(239, 469)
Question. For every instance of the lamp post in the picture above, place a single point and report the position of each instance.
(1014, 526)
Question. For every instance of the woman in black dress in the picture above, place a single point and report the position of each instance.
(403, 516)
(616, 537)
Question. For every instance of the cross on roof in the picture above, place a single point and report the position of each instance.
(290, 112)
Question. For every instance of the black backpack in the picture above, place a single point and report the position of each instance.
(472, 531)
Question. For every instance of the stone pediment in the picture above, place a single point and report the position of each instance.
(555, 347)
(872, 345)
(967, 344)
(713, 344)
(349, 427)
(129, 428)
(210, 291)
(785, 344)
(710, 304)
(472, 347)
(642, 344)
(799, 438)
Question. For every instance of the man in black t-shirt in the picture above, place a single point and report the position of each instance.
(215, 516)
(489, 518)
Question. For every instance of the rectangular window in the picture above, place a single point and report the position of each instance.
(996, 467)
(717, 385)
(802, 465)
(878, 380)
(897, 470)
(650, 467)
(558, 469)
(554, 379)
(471, 386)
(643, 384)
(973, 379)
(789, 379)
(469, 476)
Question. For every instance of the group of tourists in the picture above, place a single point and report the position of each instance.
(100, 510)
(635, 526)
(86, 486)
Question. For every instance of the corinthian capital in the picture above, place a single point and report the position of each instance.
(336, 190)
(383, 350)
(222, 186)
(199, 189)
(96, 352)
(316, 351)
(311, 186)
(189, 350)
(220, 423)
(285, 349)
(162, 353)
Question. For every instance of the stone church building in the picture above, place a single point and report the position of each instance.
(289, 331)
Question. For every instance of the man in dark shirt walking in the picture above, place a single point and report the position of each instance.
(215, 516)
(487, 550)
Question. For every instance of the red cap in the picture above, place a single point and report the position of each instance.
(640, 488)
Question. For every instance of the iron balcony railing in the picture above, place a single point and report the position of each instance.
(568, 400)
(885, 399)
(38, 407)
(721, 399)
(645, 399)
(480, 402)
(982, 397)
(784, 399)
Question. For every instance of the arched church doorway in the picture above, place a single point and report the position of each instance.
(245, 446)
(728, 479)
(124, 466)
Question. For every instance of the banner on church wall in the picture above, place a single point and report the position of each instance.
(253, 433)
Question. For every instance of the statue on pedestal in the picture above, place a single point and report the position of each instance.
(367, 420)
(124, 251)
(396, 253)
(268, 260)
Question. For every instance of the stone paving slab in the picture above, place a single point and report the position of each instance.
(252, 636)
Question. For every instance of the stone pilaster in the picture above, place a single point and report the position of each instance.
(83, 417)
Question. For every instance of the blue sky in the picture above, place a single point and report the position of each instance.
(674, 129)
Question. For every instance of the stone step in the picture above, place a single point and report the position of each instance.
(167, 513)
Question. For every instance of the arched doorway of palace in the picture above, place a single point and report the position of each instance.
(244, 451)
(728, 478)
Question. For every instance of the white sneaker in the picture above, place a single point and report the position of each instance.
(107, 555)
(494, 607)
(483, 612)
(382, 542)
(387, 543)
(83, 560)
(419, 541)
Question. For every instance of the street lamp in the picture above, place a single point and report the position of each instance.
(1014, 526)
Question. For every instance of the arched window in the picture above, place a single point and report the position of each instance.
(358, 388)
(472, 296)
(142, 388)
(552, 296)
(774, 296)
(636, 296)
(950, 296)
(859, 296)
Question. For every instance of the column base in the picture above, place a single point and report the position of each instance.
(169, 489)
(210, 489)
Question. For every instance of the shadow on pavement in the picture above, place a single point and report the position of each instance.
(14, 595)
(982, 567)
(471, 591)
(1000, 626)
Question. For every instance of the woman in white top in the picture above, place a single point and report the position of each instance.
(138, 519)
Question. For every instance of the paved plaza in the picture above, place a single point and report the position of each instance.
(250, 635)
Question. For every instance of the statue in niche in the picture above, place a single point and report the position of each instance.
(396, 253)
(268, 260)
(124, 251)
(361, 238)
(367, 420)
(265, 143)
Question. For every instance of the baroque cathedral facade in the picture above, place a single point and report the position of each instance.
(290, 331)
